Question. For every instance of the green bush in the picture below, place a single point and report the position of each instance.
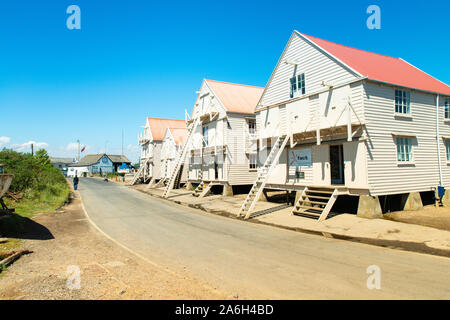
(35, 177)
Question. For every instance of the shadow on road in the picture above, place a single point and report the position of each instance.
(18, 227)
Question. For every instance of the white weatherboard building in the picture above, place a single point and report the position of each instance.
(343, 121)
(220, 150)
(151, 141)
(174, 140)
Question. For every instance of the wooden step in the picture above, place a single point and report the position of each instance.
(309, 208)
(307, 213)
(315, 202)
(319, 191)
(317, 197)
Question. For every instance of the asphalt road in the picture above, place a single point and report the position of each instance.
(250, 260)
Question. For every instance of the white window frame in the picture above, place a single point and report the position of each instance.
(447, 109)
(253, 161)
(205, 139)
(405, 151)
(402, 102)
(297, 85)
(251, 123)
(447, 148)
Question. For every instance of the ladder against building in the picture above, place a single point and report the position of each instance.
(181, 156)
(315, 202)
(263, 174)
(179, 176)
(140, 172)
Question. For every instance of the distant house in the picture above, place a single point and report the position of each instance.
(151, 141)
(96, 163)
(222, 152)
(62, 163)
(174, 140)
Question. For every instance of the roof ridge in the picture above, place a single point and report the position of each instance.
(165, 119)
(235, 84)
(347, 46)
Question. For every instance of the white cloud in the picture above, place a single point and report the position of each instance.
(27, 146)
(5, 139)
(73, 146)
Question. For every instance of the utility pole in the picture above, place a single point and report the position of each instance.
(78, 150)
(122, 141)
(32, 149)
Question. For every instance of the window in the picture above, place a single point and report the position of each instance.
(447, 148)
(447, 108)
(404, 149)
(205, 136)
(251, 126)
(252, 160)
(297, 85)
(402, 100)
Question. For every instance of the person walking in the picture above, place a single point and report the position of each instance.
(75, 182)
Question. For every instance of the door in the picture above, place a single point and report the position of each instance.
(216, 171)
(337, 164)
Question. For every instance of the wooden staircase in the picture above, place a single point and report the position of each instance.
(140, 172)
(263, 174)
(161, 183)
(177, 182)
(180, 158)
(198, 190)
(202, 191)
(315, 202)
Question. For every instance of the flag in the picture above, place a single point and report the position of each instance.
(82, 149)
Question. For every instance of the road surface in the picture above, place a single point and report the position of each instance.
(249, 260)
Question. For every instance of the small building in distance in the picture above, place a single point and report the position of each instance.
(151, 141)
(96, 163)
(174, 140)
(62, 163)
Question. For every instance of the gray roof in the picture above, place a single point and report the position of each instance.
(61, 160)
(118, 158)
(94, 158)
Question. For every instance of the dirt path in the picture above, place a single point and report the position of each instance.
(64, 239)
(429, 216)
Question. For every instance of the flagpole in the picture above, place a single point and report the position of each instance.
(78, 150)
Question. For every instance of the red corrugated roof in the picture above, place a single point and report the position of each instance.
(236, 97)
(382, 68)
(158, 126)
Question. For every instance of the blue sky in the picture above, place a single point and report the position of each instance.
(133, 59)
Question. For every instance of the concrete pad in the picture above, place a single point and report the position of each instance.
(227, 190)
(446, 198)
(412, 201)
(369, 207)
(189, 186)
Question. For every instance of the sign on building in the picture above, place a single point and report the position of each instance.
(300, 157)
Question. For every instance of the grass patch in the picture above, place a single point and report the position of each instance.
(42, 202)
(11, 244)
(42, 187)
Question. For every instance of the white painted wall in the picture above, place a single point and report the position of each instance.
(316, 65)
(385, 175)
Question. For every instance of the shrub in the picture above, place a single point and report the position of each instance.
(35, 177)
